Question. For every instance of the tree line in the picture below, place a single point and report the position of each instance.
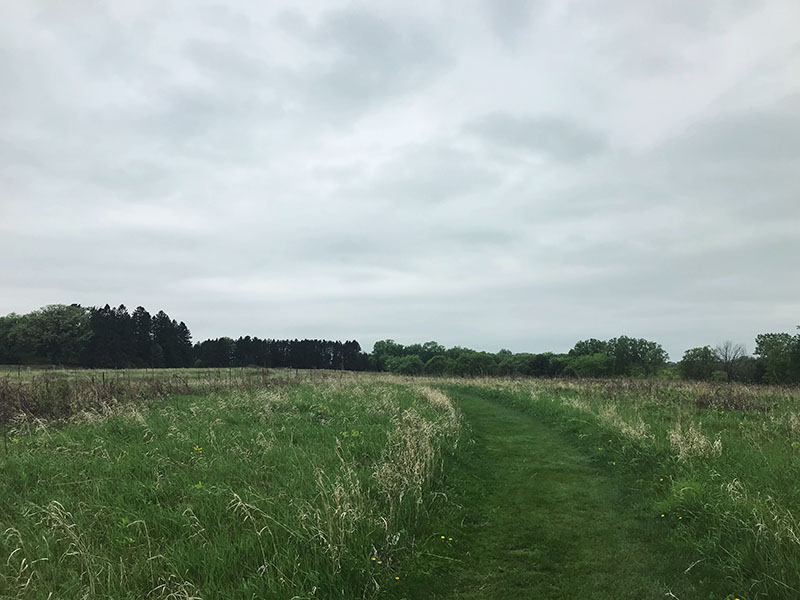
(776, 360)
(295, 354)
(73, 335)
(113, 338)
(95, 337)
(621, 357)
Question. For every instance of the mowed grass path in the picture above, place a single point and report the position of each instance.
(547, 521)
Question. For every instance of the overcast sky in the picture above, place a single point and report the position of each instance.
(492, 174)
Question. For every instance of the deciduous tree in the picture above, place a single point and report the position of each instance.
(729, 354)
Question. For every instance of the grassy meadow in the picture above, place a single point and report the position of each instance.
(279, 484)
(717, 466)
(56, 393)
(291, 490)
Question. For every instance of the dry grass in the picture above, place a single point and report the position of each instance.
(690, 442)
(99, 394)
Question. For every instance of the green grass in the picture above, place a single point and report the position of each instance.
(316, 485)
(540, 519)
(280, 493)
(721, 464)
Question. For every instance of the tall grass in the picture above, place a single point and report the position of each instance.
(60, 394)
(288, 491)
(719, 465)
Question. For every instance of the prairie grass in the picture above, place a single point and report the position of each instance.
(287, 490)
(718, 465)
(62, 393)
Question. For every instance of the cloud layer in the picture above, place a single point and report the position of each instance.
(489, 174)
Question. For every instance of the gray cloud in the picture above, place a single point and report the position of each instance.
(557, 138)
(510, 18)
(430, 174)
(510, 174)
(763, 136)
(364, 57)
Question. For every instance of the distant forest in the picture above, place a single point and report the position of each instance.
(114, 338)
(73, 335)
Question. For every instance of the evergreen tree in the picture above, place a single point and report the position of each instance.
(101, 345)
(124, 339)
(184, 345)
(165, 337)
(142, 337)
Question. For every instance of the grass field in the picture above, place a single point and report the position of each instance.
(328, 485)
(62, 393)
(289, 491)
(716, 467)
(31, 372)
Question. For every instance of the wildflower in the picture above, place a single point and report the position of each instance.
(660, 479)
(198, 449)
(396, 577)
(613, 462)
(442, 537)
(599, 448)
(373, 558)
(15, 440)
(680, 517)
(449, 539)
(380, 562)
(663, 515)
